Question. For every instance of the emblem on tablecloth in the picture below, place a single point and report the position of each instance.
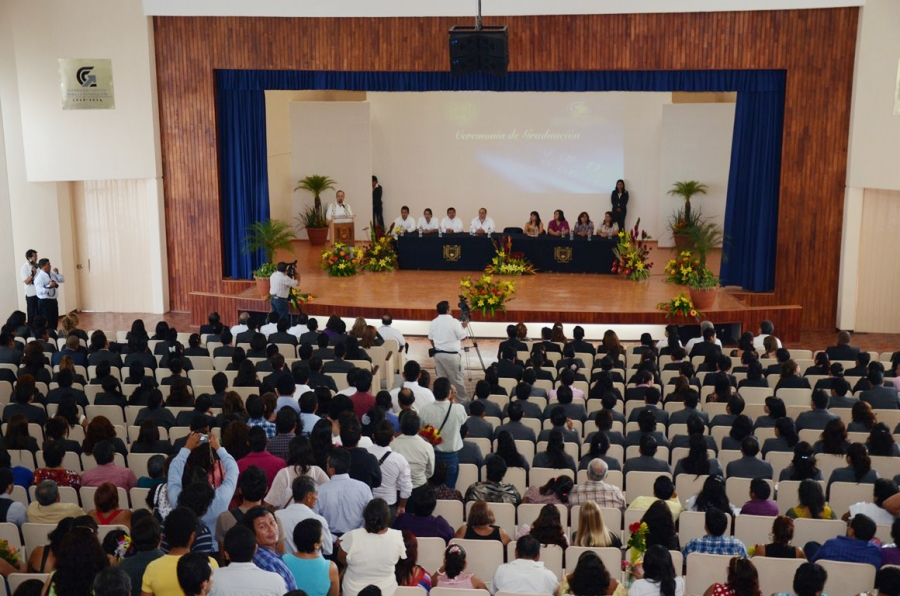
(562, 254)
(452, 252)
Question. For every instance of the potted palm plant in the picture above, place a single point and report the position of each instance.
(268, 235)
(313, 218)
(685, 218)
(703, 284)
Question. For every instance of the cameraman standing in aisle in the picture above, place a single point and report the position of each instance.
(445, 334)
(280, 285)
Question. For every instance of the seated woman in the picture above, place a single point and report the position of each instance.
(56, 430)
(555, 491)
(598, 446)
(101, 429)
(698, 462)
(148, 440)
(68, 363)
(803, 464)
(785, 439)
(862, 418)
(657, 578)
(774, 409)
(419, 516)
(660, 527)
(812, 503)
(451, 574)
(407, 571)
(534, 227)
(881, 441)
(17, 435)
(547, 527)
(695, 428)
(780, 547)
(314, 575)
(608, 228)
(506, 449)
(559, 226)
(742, 580)
(106, 510)
(584, 227)
(790, 377)
(741, 428)
(155, 411)
(111, 394)
(43, 558)
(480, 525)
(372, 552)
(859, 469)
(555, 456)
(711, 495)
(590, 577)
(592, 529)
(54, 452)
(833, 440)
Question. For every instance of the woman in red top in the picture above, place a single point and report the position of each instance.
(559, 226)
(743, 580)
(107, 512)
(54, 453)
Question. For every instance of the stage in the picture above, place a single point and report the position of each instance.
(551, 297)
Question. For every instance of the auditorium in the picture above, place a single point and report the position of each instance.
(583, 297)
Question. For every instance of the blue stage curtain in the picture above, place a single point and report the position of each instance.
(752, 208)
(751, 212)
(243, 175)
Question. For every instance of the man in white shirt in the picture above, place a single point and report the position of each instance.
(766, 328)
(396, 481)
(27, 273)
(423, 395)
(703, 327)
(418, 452)
(46, 286)
(242, 577)
(445, 334)
(427, 223)
(280, 286)
(305, 493)
(451, 224)
(446, 416)
(482, 224)
(404, 223)
(388, 332)
(526, 574)
(243, 318)
(339, 209)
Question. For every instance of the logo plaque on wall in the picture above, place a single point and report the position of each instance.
(86, 84)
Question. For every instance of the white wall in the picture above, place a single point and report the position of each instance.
(696, 145)
(9, 291)
(334, 139)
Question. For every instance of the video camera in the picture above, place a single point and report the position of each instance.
(465, 313)
(291, 270)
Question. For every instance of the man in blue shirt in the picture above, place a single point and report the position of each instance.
(852, 548)
(263, 523)
(342, 499)
(715, 542)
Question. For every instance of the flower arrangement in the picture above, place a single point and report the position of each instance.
(341, 260)
(297, 299)
(381, 254)
(679, 306)
(9, 553)
(632, 254)
(507, 262)
(431, 434)
(637, 543)
(487, 295)
(679, 270)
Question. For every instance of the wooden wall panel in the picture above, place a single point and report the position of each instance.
(815, 47)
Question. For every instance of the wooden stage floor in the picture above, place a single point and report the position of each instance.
(567, 298)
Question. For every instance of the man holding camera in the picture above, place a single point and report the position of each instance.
(280, 285)
(46, 286)
(29, 269)
(445, 334)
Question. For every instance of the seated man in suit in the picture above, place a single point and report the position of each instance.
(691, 400)
(24, 394)
(734, 409)
(512, 334)
(226, 350)
(643, 380)
(651, 403)
(324, 351)
(508, 366)
(572, 410)
(578, 344)
(338, 365)
(281, 335)
(843, 350)
(607, 365)
(478, 427)
(252, 328)
(782, 355)
(213, 326)
(529, 407)
(862, 366)
(100, 351)
(646, 461)
(9, 352)
(880, 397)
(482, 391)
(694, 341)
(819, 415)
(73, 348)
(549, 346)
(569, 361)
(839, 398)
(604, 421)
(519, 431)
(749, 465)
(562, 423)
(647, 426)
(707, 345)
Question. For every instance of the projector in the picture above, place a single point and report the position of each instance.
(479, 49)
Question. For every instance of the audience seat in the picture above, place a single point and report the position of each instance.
(738, 489)
(704, 570)
(753, 529)
(17, 579)
(641, 483)
(431, 552)
(469, 474)
(775, 575)
(138, 498)
(848, 578)
(692, 524)
(450, 510)
(688, 485)
(787, 494)
(86, 493)
(482, 557)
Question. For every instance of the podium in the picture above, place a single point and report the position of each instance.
(341, 230)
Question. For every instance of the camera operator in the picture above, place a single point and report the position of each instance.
(445, 334)
(280, 285)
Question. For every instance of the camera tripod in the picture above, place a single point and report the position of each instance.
(465, 317)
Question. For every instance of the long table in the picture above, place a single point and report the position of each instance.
(463, 252)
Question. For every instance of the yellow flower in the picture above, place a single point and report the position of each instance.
(693, 313)
(639, 266)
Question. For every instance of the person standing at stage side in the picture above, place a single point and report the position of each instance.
(46, 285)
(451, 224)
(338, 209)
(559, 226)
(427, 223)
(404, 223)
(482, 224)
(534, 227)
(609, 228)
(619, 199)
(445, 334)
(27, 273)
(377, 204)
(280, 285)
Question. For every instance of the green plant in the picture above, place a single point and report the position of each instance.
(682, 220)
(686, 190)
(268, 235)
(265, 270)
(316, 185)
(312, 217)
(702, 279)
(703, 237)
